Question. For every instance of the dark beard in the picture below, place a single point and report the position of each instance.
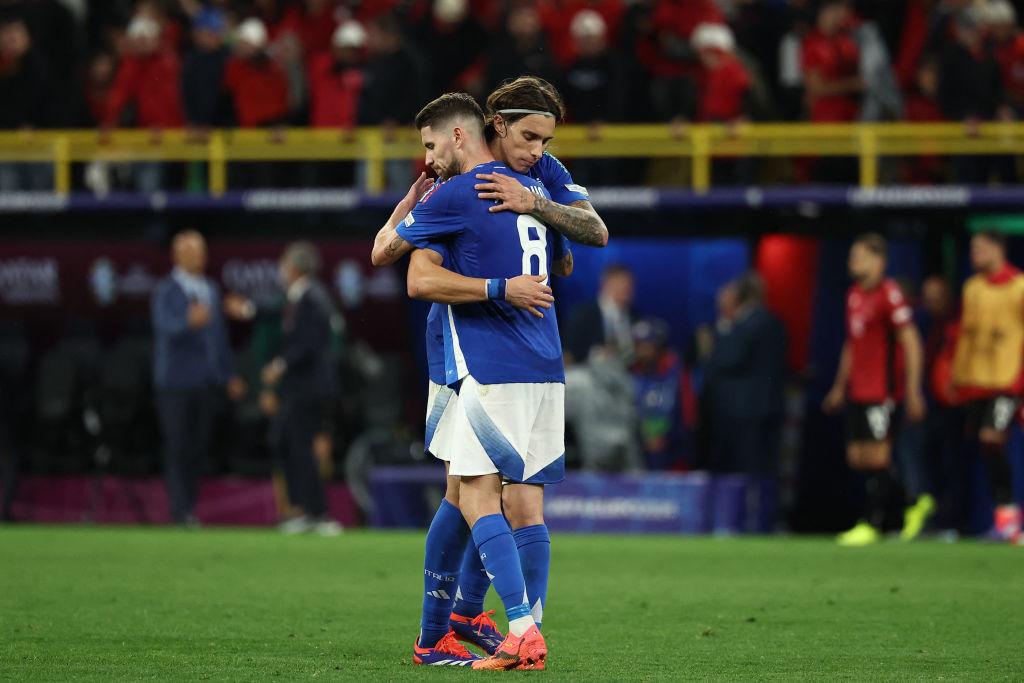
(449, 172)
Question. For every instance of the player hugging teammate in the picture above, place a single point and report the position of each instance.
(487, 235)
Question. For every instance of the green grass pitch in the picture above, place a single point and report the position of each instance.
(131, 604)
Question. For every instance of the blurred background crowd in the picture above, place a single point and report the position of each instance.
(159, 64)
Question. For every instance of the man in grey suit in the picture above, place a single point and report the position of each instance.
(193, 369)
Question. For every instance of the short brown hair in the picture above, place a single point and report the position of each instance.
(525, 92)
(874, 243)
(447, 108)
(994, 236)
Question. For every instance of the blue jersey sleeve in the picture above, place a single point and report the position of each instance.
(436, 217)
(558, 181)
(442, 249)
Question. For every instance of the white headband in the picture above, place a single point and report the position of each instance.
(525, 111)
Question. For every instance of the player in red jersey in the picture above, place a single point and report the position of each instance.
(880, 366)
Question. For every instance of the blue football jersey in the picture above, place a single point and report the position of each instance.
(492, 340)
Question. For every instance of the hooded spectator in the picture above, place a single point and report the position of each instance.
(724, 84)
(147, 78)
(336, 79)
(594, 78)
(558, 16)
(258, 85)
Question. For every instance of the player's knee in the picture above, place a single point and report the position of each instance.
(523, 505)
(519, 518)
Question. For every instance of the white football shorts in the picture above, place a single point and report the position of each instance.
(441, 402)
(515, 430)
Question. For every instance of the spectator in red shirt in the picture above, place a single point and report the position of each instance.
(723, 93)
(336, 79)
(557, 17)
(258, 85)
(831, 64)
(148, 77)
(724, 84)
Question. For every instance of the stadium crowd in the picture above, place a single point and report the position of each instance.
(159, 64)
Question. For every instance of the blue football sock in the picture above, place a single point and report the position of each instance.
(446, 543)
(534, 545)
(473, 584)
(493, 539)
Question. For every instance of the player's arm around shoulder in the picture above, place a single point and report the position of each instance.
(579, 221)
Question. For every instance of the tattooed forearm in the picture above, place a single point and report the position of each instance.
(393, 250)
(388, 247)
(578, 222)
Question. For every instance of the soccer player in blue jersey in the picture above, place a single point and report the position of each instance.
(521, 119)
(522, 116)
(499, 357)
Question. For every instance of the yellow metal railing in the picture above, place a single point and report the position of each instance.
(696, 145)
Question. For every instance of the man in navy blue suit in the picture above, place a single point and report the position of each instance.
(193, 368)
(303, 375)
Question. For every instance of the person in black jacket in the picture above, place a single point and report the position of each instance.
(23, 92)
(745, 379)
(604, 327)
(302, 374)
(202, 74)
(971, 90)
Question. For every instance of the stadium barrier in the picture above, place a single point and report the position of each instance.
(695, 145)
(691, 503)
(124, 500)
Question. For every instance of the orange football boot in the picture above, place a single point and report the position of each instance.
(528, 651)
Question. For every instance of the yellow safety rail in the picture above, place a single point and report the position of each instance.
(692, 144)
